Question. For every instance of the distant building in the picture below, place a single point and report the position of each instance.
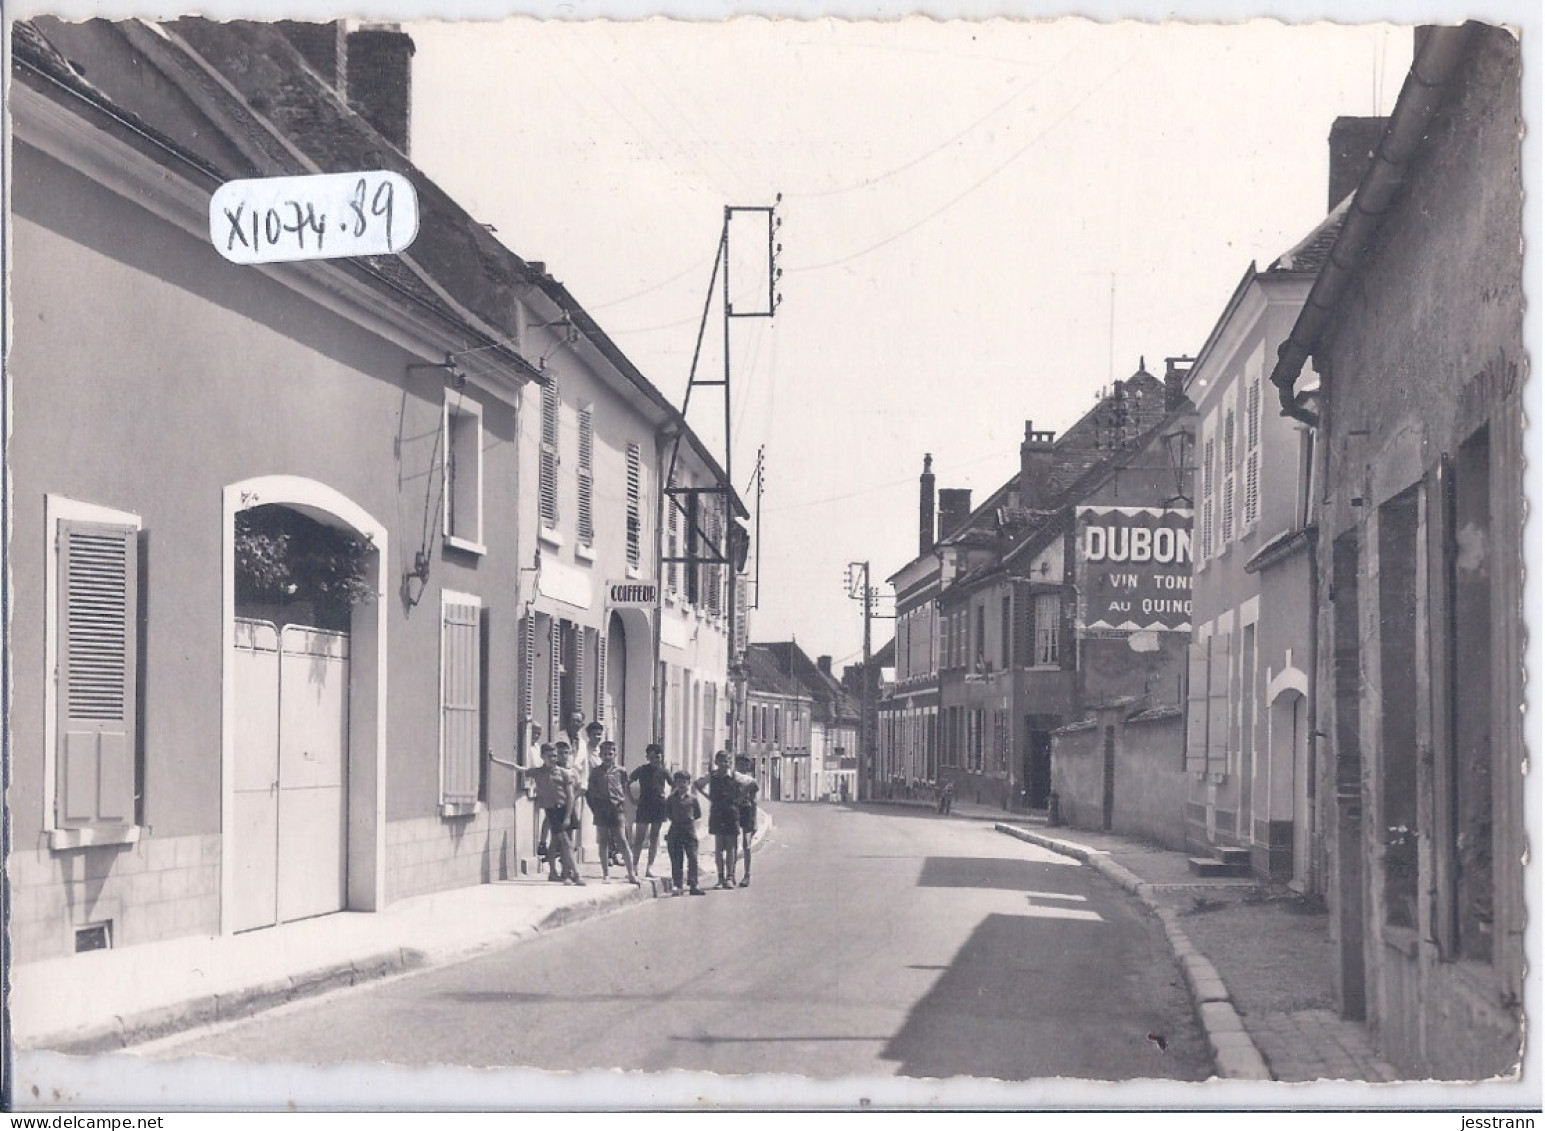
(834, 717)
(1248, 747)
(777, 728)
(1415, 327)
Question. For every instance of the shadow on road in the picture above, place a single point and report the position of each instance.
(1000, 873)
(1032, 998)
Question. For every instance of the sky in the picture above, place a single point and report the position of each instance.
(983, 223)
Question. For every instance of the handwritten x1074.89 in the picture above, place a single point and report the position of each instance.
(327, 216)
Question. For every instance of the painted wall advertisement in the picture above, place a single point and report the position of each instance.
(1134, 567)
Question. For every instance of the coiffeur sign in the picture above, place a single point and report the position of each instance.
(1134, 570)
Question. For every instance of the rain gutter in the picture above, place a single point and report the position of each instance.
(1425, 86)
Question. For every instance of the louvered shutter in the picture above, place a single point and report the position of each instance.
(672, 539)
(715, 572)
(461, 684)
(547, 486)
(586, 476)
(581, 685)
(1227, 525)
(554, 641)
(1209, 495)
(1252, 503)
(98, 673)
(635, 499)
(527, 675)
(600, 678)
(1196, 707)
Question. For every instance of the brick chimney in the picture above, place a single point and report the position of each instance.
(925, 507)
(322, 46)
(1353, 142)
(825, 664)
(380, 80)
(1176, 371)
(1036, 456)
(954, 509)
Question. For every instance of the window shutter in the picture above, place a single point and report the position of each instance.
(635, 497)
(715, 580)
(581, 704)
(1024, 626)
(1209, 483)
(672, 538)
(1227, 532)
(547, 486)
(586, 476)
(1196, 706)
(461, 683)
(554, 643)
(98, 673)
(600, 678)
(1251, 504)
(527, 667)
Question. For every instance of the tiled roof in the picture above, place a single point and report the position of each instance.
(1309, 254)
(767, 677)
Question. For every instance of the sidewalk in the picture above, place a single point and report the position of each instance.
(1257, 959)
(107, 999)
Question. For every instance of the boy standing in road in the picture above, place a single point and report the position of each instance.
(746, 809)
(607, 793)
(681, 841)
(723, 794)
(556, 797)
(653, 784)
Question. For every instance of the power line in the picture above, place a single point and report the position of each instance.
(947, 205)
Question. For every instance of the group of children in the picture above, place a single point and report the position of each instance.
(663, 800)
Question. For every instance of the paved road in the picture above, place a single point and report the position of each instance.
(871, 943)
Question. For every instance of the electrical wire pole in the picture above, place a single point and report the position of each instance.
(859, 589)
(703, 547)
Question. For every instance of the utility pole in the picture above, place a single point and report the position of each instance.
(703, 547)
(860, 590)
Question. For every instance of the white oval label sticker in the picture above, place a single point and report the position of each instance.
(328, 216)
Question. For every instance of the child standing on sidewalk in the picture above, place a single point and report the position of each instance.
(681, 840)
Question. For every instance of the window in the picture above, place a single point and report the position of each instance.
(710, 721)
(672, 539)
(1226, 518)
(1048, 630)
(635, 499)
(461, 707)
(1398, 705)
(1463, 692)
(1006, 634)
(462, 473)
(777, 724)
(1252, 488)
(979, 640)
(1209, 495)
(585, 534)
(92, 652)
(547, 475)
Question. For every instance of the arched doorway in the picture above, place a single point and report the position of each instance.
(615, 685)
(303, 704)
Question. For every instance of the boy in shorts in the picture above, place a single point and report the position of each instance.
(723, 793)
(746, 809)
(607, 793)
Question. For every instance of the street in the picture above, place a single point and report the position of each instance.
(871, 943)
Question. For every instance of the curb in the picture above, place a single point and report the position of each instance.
(1234, 1053)
(207, 1009)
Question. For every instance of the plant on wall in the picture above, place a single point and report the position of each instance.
(283, 557)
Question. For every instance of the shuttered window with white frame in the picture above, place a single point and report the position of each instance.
(461, 620)
(98, 674)
(1230, 455)
(1251, 510)
(547, 474)
(672, 539)
(585, 475)
(635, 518)
(1209, 495)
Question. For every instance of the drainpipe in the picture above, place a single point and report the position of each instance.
(1439, 56)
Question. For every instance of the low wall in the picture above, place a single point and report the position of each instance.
(1149, 792)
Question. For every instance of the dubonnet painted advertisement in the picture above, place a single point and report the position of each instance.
(1134, 567)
